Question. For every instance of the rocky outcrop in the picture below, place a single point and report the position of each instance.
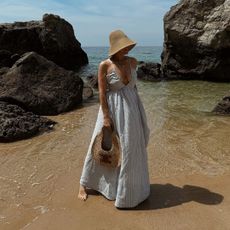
(197, 40)
(53, 38)
(92, 80)
(149, 71)
(223, 107)
(40, 85)
(16, 123)
(87, 91)
(7, 59)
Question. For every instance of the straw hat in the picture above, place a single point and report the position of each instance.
(106, 148)
(119, 40)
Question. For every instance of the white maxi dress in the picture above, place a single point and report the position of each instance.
(129, 183)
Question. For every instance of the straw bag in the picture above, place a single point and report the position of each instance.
(106, 148)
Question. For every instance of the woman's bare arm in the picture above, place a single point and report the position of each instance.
(102, 70)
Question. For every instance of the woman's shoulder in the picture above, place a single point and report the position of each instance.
(105, 62)
(105, 67)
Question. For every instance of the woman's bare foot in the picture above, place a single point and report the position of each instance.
(82, 195)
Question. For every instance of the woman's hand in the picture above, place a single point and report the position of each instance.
(108, 122)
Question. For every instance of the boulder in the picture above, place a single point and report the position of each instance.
(149, 71)
(53, 38)
(16, 123)
(41, 86)
(92, 80)
(87, 92)
(7, 59)
(197, 40)
(3, 70)
(223, 107)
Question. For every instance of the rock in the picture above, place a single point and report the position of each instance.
(3, 70)
(149, 71)
(53, 37)
(92, 81)
(197, 40)
(14, 58)
(223, 107)
(16, 123)
(87, 92)
(140, 62)
(43, 87)
(7, 59)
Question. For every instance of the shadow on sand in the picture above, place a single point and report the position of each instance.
(168, 195)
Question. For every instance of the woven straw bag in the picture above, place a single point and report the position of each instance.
(106, 148)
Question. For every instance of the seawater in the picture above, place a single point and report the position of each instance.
(97, 54)
(186, 138)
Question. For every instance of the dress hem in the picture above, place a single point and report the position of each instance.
(134, 206)
(98, 190)
(113, 199)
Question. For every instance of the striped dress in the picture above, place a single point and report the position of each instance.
(129, 183)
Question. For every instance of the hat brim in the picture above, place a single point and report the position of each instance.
(130, 45)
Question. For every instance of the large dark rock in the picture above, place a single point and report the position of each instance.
(149, 71)
(223, 107)
(41, 86)
(7, 59)
(53, 37)
(16, 123)
(197, 40)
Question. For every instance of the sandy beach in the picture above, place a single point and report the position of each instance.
(182, 202)
(189, 174)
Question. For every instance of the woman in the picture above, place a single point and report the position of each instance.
(122, 110)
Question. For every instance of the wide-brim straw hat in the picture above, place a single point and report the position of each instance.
(118, 41)
(106, 148)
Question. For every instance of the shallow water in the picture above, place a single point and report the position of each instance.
(185, 135)
(185, 139)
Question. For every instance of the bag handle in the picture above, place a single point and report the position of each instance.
(106, 142)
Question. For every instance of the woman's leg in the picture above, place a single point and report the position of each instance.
(82, 195)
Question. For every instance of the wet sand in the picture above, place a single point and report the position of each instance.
(182, 202)
(189, 167)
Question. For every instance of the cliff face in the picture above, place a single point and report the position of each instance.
(53, 38)
(197, 40)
